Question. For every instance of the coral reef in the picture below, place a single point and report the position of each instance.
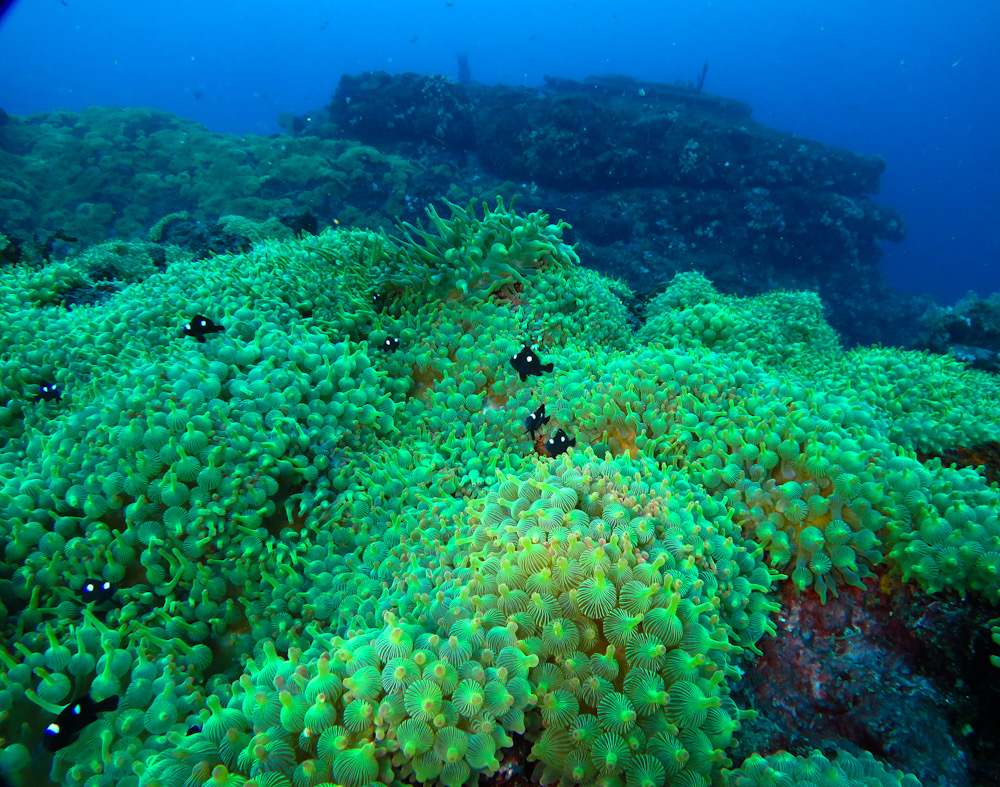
(844, 770)
(691, 182)
(867, 668)
(657, 178)
(335, 554)
(969, 330)
(116, 172)
(441, 117)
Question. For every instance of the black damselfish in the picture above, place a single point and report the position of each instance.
(97, 591)
(72, 719)
(200, 327)
(49, 392)
(536, 421)
(391, 344)
(559, 443)
(527, 363)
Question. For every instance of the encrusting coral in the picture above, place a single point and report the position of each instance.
(339, 556)
(843, 771)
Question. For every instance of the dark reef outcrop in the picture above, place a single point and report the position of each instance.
(405, 111)
(880, 668)
(654, 178)
(969, 330)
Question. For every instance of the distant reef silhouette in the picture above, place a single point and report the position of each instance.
(655, 179)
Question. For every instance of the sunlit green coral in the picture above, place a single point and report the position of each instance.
(845, 770)
(413, 581)
(776, 328)
(466, 257)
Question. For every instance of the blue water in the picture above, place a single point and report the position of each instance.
(914, 81)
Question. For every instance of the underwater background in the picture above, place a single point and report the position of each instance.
(442, 393)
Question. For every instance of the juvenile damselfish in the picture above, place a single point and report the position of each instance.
(96, 591)
(200, 327)
(527, 363)
(73, 718)
(536, 421)
(559, 443)
(49, 392)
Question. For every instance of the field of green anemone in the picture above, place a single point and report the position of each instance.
(339, 561)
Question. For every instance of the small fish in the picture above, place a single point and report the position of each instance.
(391, 344)
(49, 392)
(526, 363)
(194, 729)
(378, 301)
(200, 327)
(97, 591)
(559, 443)
(536, 421)
(72, 719)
